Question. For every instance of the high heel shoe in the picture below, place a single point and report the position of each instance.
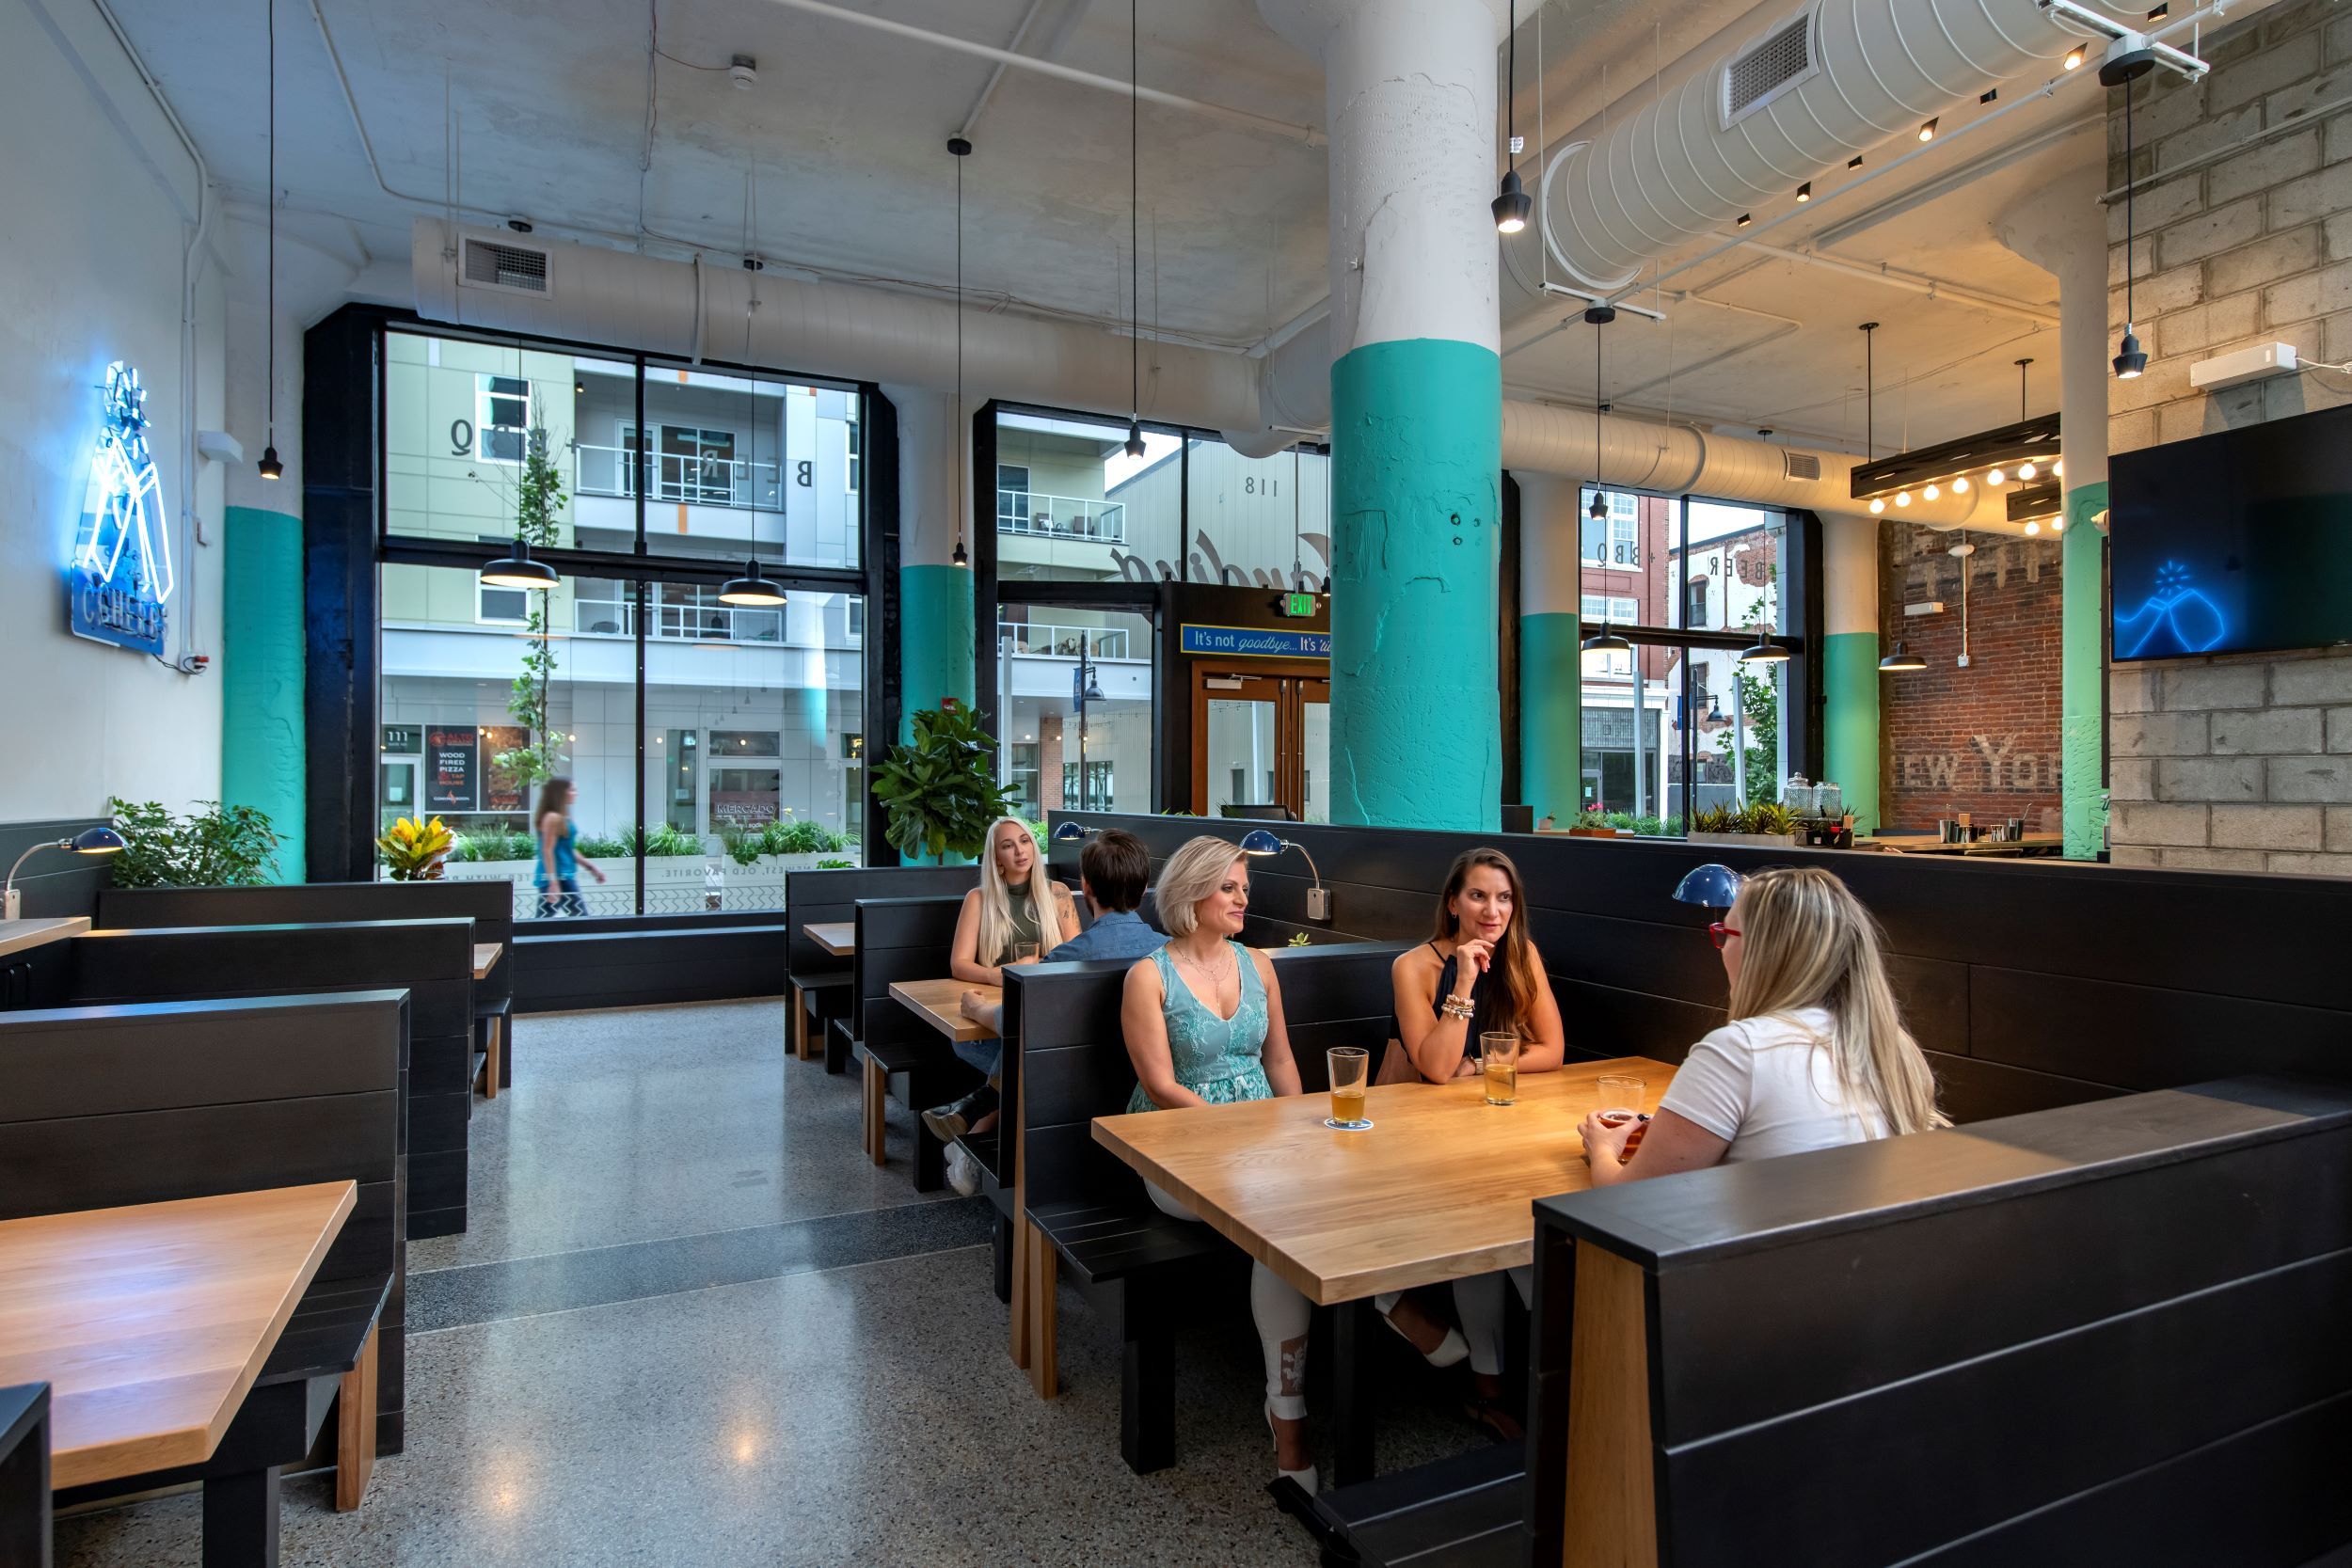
(1452, 1350)
(1305, 1477)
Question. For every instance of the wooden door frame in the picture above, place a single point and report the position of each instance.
(1290, 770)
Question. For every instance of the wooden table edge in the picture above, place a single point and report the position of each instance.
(22, 936)
(811, 929)
(482, 966)
(963, 1030)
(67, 1465)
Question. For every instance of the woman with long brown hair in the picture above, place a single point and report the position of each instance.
(1478, 974)
(1815, 1054)
(555, 867)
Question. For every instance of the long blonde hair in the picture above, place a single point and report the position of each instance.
(1807, 941)
(995, 938)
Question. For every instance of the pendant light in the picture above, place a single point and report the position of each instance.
(270, 467)
(1869, 405)
(961, 149)
(753, 587)
(1597, 316)
(1134, 239)
(1763, 651)
(1902, 661)
(517, 569)
(2130, 359)
(1607, 642)
(1512, 204)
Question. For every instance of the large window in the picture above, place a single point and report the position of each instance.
(712, 746)
(1257, 520)
(1077, 729)
(1071, 506)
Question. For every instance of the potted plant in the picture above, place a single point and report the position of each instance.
(218, 847)
(1764, 823)
(939, 792)
(413, 849)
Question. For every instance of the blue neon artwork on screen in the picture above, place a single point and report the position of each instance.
(2175, 620)
(122, 576)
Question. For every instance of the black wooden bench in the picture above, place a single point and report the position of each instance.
(489, 904)
(901, 939)
(821, 983)
(1084, 1212)
(2106, 1333)
(146, 1103)
(24, 1476)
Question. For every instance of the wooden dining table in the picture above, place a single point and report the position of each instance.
(1441, 1186)
(836, 937)
(485, 957)
(150, 1324)
(940, 1004)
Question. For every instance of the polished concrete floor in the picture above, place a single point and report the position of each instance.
(691, 1324)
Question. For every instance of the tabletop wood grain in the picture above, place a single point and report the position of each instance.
(485, 957)
(836, 937)
(937, 1002)
(149, 1322)
(1439, 1187)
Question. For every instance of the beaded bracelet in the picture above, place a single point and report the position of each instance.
(1455, 1007)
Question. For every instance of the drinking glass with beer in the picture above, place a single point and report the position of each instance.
(1499, 1051)
(1351, 1071)
(1621, 1099)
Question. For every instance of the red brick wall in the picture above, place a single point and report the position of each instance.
(1984, 739)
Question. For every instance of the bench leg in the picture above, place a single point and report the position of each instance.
(1001, 1260)
(1044, 1261)
(490, 1059)
(241, 1520)
(795, 1024)
(1147, 1382)
(930, 1156)
(873, 1094)
(836, 1050)
(506, 1048)
(354, 1428)
(1017, 1344)
(1352, 1391)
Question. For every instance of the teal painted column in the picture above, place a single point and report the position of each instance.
(1849, 663)
(1552, 659)
(262, 732)
(935, 640)
(937, 598)
(1416, 708)
(2083, 674)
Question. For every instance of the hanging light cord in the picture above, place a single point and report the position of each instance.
(2128, 184)
(958, 418)
(1134, 202)
(272, 323)
(1511, 95)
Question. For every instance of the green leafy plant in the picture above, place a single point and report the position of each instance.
(412, 848)
(743, 847)
(538, 496)
(837, 866)
(493, 844)
(1760, 709)
(1714, 819)
(799, 838)
(1299, 939)
(1037, 831)
(598, 846)
(940, 792)
(216, 846)
(1767, 817)
(663, 839)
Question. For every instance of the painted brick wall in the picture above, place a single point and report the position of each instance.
(2243, 237)
(1982, 739)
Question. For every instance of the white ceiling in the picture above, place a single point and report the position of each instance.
(843, 138)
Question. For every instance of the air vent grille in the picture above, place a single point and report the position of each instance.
(1799, 465)
(490, 265)
(1761, 74)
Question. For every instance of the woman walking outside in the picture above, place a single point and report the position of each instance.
(555, 870)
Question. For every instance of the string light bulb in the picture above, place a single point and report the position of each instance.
(1930, 493)
(2026, 472)
(1995, 477)
(1960, 486)
(1902, 497)
(1878, 504)
(2032, 528)
(1927, 132)
(2059, 469)
(2074, 58)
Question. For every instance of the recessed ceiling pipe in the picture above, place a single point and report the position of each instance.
(1306, 134)
(1895, 277)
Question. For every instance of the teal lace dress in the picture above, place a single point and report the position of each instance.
(1220, 1059)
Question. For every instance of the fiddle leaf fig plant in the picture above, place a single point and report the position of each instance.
(940, 792)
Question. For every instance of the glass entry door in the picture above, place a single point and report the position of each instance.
(1260, 740)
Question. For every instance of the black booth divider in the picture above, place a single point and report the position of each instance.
(117, 1105)
(823, 983)
(2029, 983)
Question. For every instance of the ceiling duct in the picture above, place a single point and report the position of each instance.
(1742, 127)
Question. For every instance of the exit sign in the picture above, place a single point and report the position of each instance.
(1301, 605)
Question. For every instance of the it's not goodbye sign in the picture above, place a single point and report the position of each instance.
(1254, 643)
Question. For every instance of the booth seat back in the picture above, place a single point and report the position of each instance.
(117, 1105)
(830, 897)
(1071, 1063)
(2111, 1331)
(897, 939)
(489, 905)
(431, 959)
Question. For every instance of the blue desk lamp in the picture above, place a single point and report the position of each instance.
(1258, 843)
(89, 841)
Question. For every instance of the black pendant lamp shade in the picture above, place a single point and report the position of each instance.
(1599, 509)
(1134, 438)
(753, 587)
(1596, 317)
(2122, 71)
(1511, 204)
(1763, 651)
(270, 467)
(1902, 661)
(1608, 641)
(1514, 206)
(516, 569)
(961, 556)
(2132, 359)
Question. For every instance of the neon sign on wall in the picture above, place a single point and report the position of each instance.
(2178, 618)
(122, 576)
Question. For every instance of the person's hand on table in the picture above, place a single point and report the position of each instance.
(973, 1006)
(1468, 1068)
(1018, 963)
(1600, 1136)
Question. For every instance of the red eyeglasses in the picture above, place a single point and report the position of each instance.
(1720, 933)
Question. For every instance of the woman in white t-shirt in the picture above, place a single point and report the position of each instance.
(1815, 1054)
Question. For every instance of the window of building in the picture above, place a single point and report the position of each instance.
(853, 452)
(1695, 602)
(1077, 695)
(1071, 506)
(503, 420)
(1013, 496)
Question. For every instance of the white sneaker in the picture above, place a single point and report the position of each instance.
(963, 1172)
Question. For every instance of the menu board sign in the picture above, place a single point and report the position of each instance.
(454, 757)
(503, 787)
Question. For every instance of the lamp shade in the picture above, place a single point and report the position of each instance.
(1901, 661)
(98, 841)
(1512, 205)
(1071, 832)
(1607, 641)
(516, 569)
(1712, 886)
(1763, 651)
(753, 587)
(1257, 841)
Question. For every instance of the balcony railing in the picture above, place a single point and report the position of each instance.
(702, 481)
(684, 618)
(1037, 637)
(1027, 512)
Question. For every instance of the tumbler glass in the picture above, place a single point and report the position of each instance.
(1499, 1052)
(1351, 1072)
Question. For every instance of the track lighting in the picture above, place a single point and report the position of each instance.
(2024, 473)
(2074, 58)
(1902, 497)
(1960, 486)
(270, 467)
(1513, 205)
(1930, 493)
(1854, 162)
(1878, 504)
(1745, 218)
(1804, 192)
(1927, 132)
(1995, 477)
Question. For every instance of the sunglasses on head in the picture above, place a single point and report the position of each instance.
(1720, 933)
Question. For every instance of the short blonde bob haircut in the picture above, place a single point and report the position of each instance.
(1191, 874)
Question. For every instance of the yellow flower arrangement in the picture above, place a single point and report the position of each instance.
(413, 849)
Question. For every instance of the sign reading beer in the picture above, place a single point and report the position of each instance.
(454, 759)
(122, 575)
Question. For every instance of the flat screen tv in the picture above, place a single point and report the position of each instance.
(2237, 542)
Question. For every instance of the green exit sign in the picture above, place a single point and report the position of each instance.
(1301, 605)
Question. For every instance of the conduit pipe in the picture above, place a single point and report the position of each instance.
(1258, 405)
(1690, 161)
(1895, 277)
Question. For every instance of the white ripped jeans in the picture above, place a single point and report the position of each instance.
(1282, 1316)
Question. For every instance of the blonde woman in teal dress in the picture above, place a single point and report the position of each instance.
(1204, 1021)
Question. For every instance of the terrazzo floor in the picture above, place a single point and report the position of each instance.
(692, 1324)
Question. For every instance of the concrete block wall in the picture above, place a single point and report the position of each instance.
(2243, 236)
